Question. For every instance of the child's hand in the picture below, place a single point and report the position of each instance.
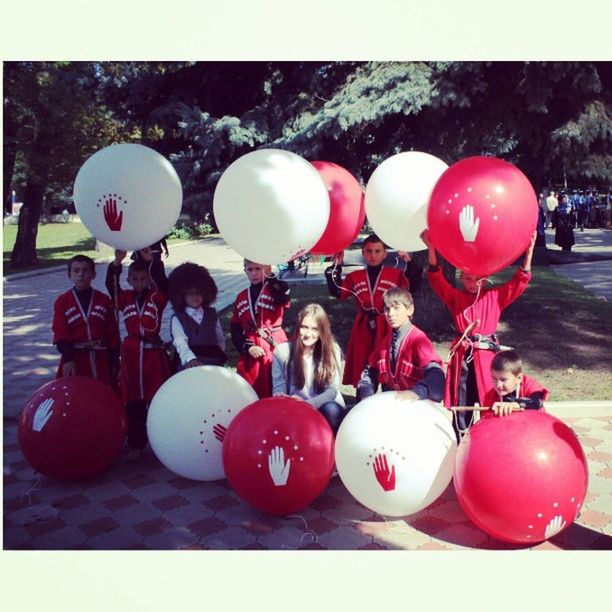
(338, 258)
(193, 363)
(404, 256)
(119, 256)
(256, 352)
(504, 408)
(69, 368)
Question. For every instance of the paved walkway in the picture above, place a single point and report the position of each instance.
(142, 505)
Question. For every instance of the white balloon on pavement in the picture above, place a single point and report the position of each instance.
(394, 456)
(397, 196)
(271, 206)
(188, 417)
(128, 196)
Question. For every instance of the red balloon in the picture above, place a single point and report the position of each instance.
(72, 428)
(278, 454)
(521, 478)
(482, 214)
(346, 212)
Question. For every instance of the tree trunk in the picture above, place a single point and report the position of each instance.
(24, 251)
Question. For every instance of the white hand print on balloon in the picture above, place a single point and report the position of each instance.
(42, 415)
(278, 467)
(467, 225)
(555, 525)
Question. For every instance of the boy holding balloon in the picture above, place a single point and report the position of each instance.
(144, 361)
(368, 286)
(84, 327)
(512, 389)
(476, 310)
(405, 359)
(256, 325)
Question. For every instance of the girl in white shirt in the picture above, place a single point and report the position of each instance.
(309, 367)
(195, 327)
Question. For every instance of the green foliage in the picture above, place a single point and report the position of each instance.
(187, 230)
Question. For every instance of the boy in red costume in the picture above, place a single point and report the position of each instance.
(84, 327)
(513, 390)
(256, 325)
(475, 310)
(368, 286)
(405, 359)
(144, 362)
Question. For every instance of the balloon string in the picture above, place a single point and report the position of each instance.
(308, 533)
(153, 304)
(470, 352)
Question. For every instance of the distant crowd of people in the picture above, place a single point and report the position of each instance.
(565, 212)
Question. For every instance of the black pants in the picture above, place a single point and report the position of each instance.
(333, 413)
(136, 413)
(468, 396)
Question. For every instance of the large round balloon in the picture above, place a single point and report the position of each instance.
(347, 212)
(128, 196)
(278, 455)
(397, 195)
(72, 428)
(189, 416)
(482, 214)
(394, 456)
(271, 206)
(521, 478)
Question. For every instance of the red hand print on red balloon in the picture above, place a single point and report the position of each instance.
(385, 478)
(113, 220)
(219, 432)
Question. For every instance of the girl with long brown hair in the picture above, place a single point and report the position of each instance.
(309, 367)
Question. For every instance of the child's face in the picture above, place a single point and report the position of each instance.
(505, 382)
(139, 280)
(194, 298)
(309, 331)
(374, 253)
(255, 273)
(81, 275)
(471, 281)
(397, 314)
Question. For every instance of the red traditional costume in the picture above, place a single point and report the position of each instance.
(370, 325)
(261, 325)
(90, 333)
(465, 309)
(414, 354)
(144, 362)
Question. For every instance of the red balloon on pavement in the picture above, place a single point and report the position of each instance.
(278, 454)
(346, 212)
(521, 478)
(482, 214)
(72, 428)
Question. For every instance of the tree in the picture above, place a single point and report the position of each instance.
(61, 123)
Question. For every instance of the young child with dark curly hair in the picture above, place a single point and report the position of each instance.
(195, 327)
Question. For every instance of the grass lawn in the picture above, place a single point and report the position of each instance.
(561, 330)
(56, 243)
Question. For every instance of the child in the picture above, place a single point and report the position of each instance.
(475, 311)
(368, 286)
(256, 325)
(513, 390)
(309, 366)
(405, 359)
(195, 327)
(85, 327)
(144, 361)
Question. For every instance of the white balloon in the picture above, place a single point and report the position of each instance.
(271, 206)
(128, 196)
(186, 412)
(397, 196)
(411, 445)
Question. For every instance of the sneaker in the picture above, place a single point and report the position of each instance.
(134, 454)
